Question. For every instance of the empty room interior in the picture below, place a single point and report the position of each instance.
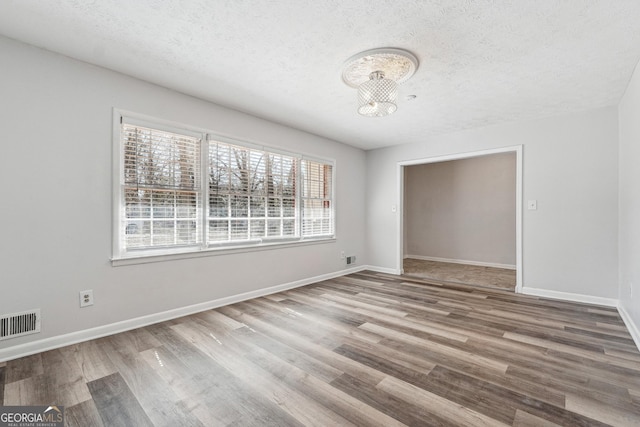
(324, 213)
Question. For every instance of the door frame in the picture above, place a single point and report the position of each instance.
(518, 149)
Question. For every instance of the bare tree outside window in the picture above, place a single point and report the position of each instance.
(161, 188)
(253, 196)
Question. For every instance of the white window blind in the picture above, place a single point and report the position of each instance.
(161, 188)
(252, 194)
(317, 199)
(185, 191)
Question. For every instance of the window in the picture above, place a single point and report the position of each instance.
(161, 188)
(316, 199)
(185, 191)
(252, 194)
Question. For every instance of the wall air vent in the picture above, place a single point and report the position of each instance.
(18, 324)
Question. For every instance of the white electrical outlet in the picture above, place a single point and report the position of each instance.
(86, 298)
(342, 255)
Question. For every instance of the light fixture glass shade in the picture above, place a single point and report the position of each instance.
(377, 96)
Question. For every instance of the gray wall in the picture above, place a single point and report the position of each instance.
(629, 234)
(462, 210)
(56, 122)
(570, 165)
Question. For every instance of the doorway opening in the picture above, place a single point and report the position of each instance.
(460, 219)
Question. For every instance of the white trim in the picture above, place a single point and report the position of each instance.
(385, 270)
(400, 219)
(46, 344)
(134, 121)
(465, 155)
(567, 296)
(519, 189)
(631, 326)
(204, 183)
(462, 261)
(212, 251)
(117, 198)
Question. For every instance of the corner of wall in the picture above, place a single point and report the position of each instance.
(634, 330)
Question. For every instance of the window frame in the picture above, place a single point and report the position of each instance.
(212, 138)
(123, 256)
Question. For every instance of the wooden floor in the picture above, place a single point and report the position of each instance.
(488, 277)
(364, 349)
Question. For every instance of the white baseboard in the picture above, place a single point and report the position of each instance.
(462, 261)
(631, 326)
(385, 270)
(567, 296)
(33, 347)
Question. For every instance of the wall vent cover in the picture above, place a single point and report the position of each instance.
(18, 324)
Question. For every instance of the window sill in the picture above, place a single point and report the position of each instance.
(146, 258)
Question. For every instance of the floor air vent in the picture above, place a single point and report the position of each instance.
(18, 324)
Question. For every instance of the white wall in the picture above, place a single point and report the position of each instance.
(55, 169)
(570, 167)
(629, 235)
(462, 210)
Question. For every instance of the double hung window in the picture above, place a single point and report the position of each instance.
(184, 191)
(252, 194)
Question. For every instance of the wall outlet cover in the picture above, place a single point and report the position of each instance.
(86, 298)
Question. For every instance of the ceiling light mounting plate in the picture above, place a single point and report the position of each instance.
(396, 64)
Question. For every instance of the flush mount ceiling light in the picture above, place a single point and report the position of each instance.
(376, 74)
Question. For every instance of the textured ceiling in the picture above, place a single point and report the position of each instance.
(482, 62)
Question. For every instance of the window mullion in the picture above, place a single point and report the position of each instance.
(229, 197)
(298, 197)
(175, 217)
(203, 209)
(249, 192)
(151, 216)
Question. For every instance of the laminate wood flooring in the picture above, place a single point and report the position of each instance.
(367, 349)
(488, 277)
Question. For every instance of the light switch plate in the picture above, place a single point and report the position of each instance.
(532, 205)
